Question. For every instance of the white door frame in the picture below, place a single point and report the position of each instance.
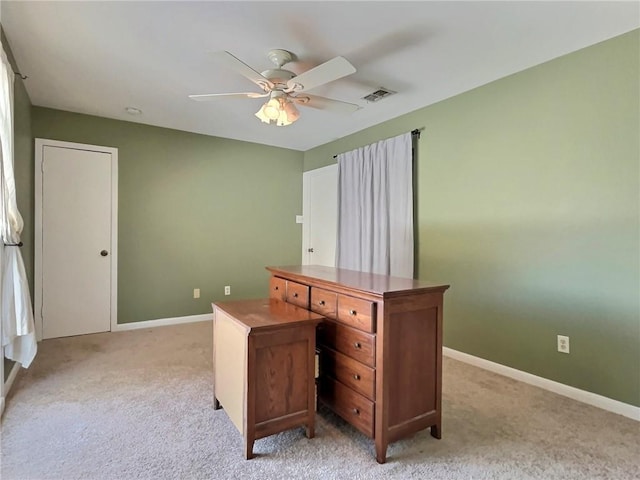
(40, 144)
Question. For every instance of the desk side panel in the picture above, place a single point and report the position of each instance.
(282, 372)
(230, 366)
(413, 363)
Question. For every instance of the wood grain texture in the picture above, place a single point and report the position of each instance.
(298, 294)
(324, 302)
(412, 365)
(281, 377)
(267, 313)
(353, 407)
(390, 328)
(278, 288)
(354, 343)
(348, 371)
(356, 313)
(354, 281)
(264, 352)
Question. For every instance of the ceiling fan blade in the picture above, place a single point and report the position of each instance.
(323, 103)
(243, 69)
(213, 96)
(326, 72)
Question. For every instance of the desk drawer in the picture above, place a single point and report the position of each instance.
(298, 294)
(278, 288)
(352, 373)
(353, 343)
(351, 406)
(356, 312)
(324, 302)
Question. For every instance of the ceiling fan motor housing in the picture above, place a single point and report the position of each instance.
(278, 77)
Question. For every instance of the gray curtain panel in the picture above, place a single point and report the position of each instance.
(375, 208)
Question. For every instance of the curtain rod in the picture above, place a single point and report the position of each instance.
(415, 132)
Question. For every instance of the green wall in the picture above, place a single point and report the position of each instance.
(527, 200)
(528, 205)
(194, 211)
(24, 170)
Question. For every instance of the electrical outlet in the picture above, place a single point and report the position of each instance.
(563, 344)
(227, 290)
(196, 293)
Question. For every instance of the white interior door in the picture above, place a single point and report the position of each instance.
(320, 216)
(75, 241)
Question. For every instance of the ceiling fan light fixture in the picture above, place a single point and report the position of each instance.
(260, 114)
(272, 109)
(291, 112)
(282, 120)
(278, 110)
(288, 114)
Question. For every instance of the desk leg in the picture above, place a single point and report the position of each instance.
(381, 451)
(248, 449)
(435, 431)
(310, 428)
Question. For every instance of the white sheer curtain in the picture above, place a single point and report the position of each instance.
(375, 208)
(18, 332)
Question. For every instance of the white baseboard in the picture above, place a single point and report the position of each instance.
(9, 383)
(583, 396)
(163, 322)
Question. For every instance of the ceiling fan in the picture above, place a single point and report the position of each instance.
(284, 88)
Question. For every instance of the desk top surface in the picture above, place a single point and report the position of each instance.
(383, 285)
(267, 313)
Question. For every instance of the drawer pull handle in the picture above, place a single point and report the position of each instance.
(276, 288)
(357, 345)
(352, 312)
(356, 411)
(321, 303)
(295, 295)
(356, 376)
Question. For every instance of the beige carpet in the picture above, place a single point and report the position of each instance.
(138, 405)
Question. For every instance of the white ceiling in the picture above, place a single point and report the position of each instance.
(98, 58)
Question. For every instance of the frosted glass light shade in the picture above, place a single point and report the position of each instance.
(278, 110)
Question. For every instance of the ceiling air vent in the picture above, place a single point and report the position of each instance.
(379, 94)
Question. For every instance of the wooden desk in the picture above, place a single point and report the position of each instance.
(380, 347)
(263, 366)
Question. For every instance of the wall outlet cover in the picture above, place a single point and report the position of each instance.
(563, 344)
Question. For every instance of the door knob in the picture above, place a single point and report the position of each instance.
(104, 253)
